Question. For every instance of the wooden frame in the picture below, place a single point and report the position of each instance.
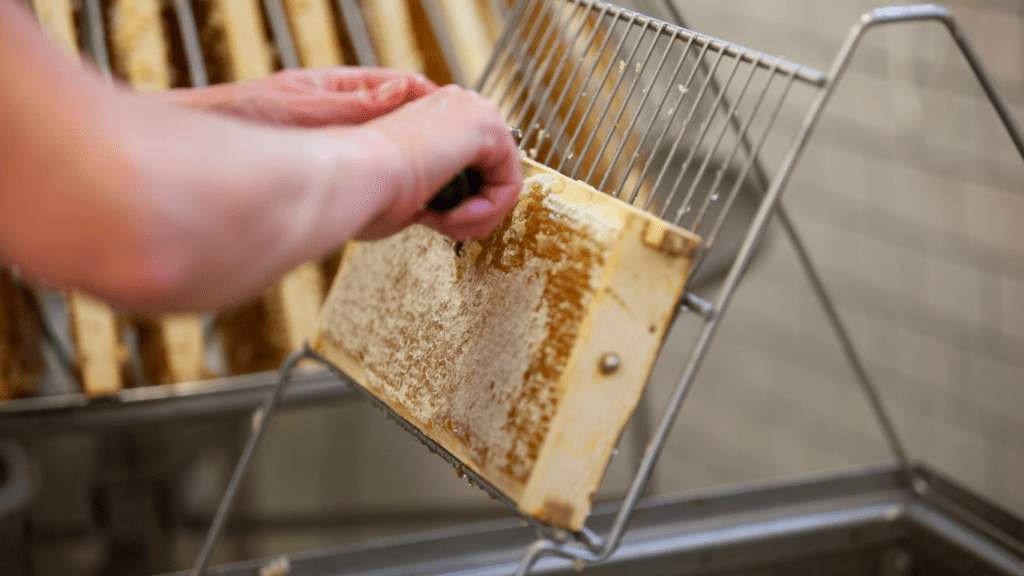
(524, 354)
(21, 360)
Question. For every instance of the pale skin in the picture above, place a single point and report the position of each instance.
(193, 200)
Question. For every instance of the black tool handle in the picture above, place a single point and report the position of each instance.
(465, 184)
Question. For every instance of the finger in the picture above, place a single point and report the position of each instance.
(481, 214)
(352, 78)
(354, 107)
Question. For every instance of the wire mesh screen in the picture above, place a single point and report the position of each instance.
(656, 115)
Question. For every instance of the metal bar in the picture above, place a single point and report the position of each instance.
(673, 112)
(686, 125)
(802, 72)
(650, 125)
(645, 94)
(282, 33)
(548, 42)
(97, 36)
(620, 112)
(607, 104)
(571, 144)
(712, 195)
(511, 18)
(553, 118)
(190, 41)
(435, 18)
(355, 26)
(215, 398)
(260, 422)
(517, 56)
(705, 126)
(986, 81)
(752, 153)
(529, 127)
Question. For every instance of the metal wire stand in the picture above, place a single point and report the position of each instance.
(663, 101)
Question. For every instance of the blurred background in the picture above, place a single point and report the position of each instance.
(910, 197)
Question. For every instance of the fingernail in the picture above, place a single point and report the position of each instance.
(391, 89)
(472, 210)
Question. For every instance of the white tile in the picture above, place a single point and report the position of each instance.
(928, 360)
(997, 36)
(917, 432)
(994, 217)
(955, 289)
(918, 195)
(997, 386)
(1011, 303)
(960, 455)
(866, 100)
(881, 264)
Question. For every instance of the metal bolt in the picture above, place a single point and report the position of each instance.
(609, 363)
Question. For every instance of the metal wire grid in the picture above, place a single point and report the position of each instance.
(659, 116)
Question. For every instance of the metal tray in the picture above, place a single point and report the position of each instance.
(189, 400)
(870, 521)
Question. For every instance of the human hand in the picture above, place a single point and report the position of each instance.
(435, 137)
(310, 97)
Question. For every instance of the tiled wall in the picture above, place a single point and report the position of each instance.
(910, 198)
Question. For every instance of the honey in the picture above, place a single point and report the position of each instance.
(472, 341)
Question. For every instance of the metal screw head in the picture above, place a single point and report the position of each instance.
(609, 363)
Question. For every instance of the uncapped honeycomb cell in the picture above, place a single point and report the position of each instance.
(503, 315)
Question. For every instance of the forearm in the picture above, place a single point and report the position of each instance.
(264, 199)
(160, 208)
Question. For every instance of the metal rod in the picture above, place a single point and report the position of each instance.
(355, 26)
(435, 18)
(802, 72)
(619, 113)
(97, 36)
(669, 85)
(752, 152)
(552, 117)
(686, 125)
(705, 126)
(517, 56)
(282, 33)
(645, 94)
(677, 105)
(571, 144)
(607, 105)
(987, 84)
(547, 44)
(529, 127)
(712, 195)
(190, 41)
(564, 123)
(499, 48)
(260, 422)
